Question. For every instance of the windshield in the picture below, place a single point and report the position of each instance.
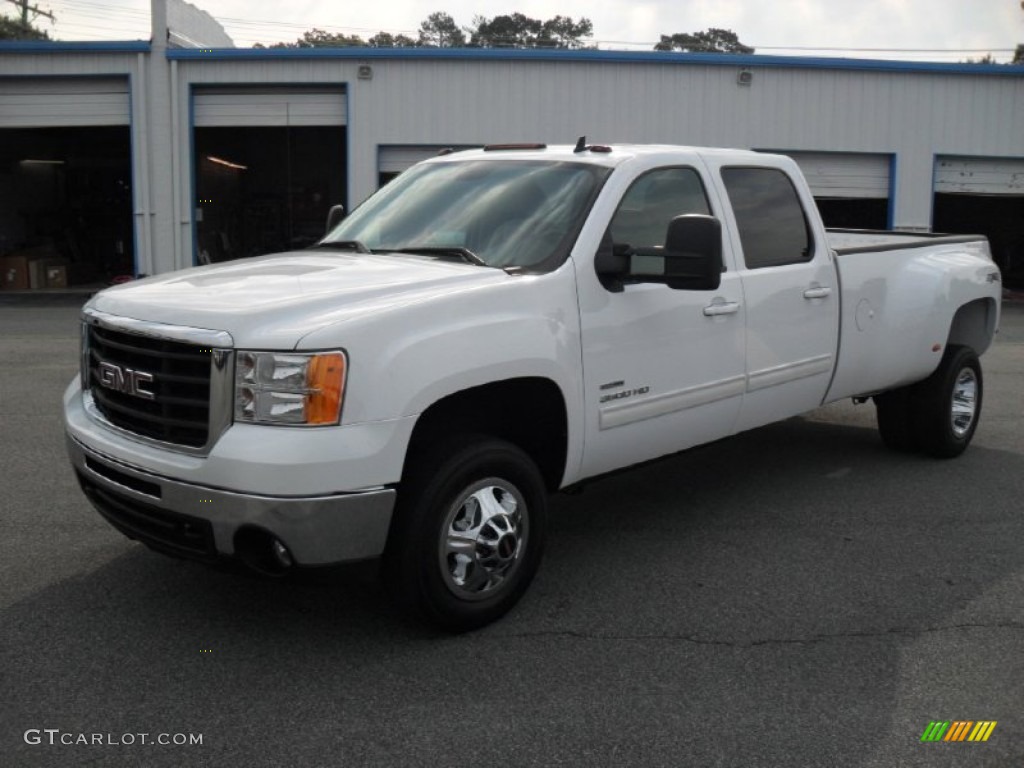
(507, 213)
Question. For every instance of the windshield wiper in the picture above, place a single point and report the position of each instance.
(343, 245)
(444, 250)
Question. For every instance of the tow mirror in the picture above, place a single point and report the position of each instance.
(693, 253)
(334, 217)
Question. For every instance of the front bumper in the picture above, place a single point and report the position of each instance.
(201, 522)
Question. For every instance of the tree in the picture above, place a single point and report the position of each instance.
(387, 40)
(711, 41)
(1018, 55)
(563, 32)
(14, 29)
(519, 31)
(439, 30)
(318, 38)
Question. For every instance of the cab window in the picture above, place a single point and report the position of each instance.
(771, 222)
(653, 200)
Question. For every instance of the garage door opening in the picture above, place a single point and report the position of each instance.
(264, 189)
(65, 207)
(854, 213)
(999, 217)
(984, 196)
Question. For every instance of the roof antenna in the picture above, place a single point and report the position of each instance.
(581, 145)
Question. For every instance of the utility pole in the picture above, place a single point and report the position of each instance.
(26, 9)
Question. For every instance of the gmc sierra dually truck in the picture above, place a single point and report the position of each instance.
(495, 325)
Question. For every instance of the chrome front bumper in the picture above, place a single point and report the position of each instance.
(201, 522)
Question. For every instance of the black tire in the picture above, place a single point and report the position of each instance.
(947, 405)
(441, 497)
(895, 420)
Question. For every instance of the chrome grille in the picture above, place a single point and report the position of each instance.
(179, 412)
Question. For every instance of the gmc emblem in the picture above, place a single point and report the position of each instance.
(126, 380)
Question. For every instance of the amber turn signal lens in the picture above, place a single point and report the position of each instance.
(326, 382)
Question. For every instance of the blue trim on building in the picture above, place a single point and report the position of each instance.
(63, 46)
(893, 167)
(632, 57)
(193, 167)
(135, 186)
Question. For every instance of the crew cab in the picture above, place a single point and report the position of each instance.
(491, 327)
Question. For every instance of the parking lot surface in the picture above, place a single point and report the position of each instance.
(794, 596)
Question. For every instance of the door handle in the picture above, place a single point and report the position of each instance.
(817, 292)
(721, 308)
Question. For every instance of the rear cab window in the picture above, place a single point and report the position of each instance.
(773, 227)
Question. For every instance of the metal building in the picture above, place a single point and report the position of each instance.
(128, 158)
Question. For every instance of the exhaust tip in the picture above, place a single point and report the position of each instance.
(263, 552)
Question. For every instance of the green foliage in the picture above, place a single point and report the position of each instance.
(13, 29)
(1018, 55)
(318, 38)
(519, 31)
(711, 41)
(439, 30)
(387, 40)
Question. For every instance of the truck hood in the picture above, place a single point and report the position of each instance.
(273, 301)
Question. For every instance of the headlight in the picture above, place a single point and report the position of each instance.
(289, 388)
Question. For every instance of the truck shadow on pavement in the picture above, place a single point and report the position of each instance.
(790, 564)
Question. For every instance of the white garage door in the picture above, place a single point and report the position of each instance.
(63, 102)
(979, 175)
(395, 159)
(845, 174)
(218, 108)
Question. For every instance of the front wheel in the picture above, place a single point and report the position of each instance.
(468, 533)
(947, 404)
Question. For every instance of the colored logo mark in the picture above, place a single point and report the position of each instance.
(959, 730)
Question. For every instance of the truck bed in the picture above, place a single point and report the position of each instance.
(900, 291)
(847, 241)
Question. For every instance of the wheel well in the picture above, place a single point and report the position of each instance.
(528, 412)
(974, 325)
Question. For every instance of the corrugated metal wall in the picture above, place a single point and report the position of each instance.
(915, 116)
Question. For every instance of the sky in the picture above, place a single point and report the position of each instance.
(929, 30)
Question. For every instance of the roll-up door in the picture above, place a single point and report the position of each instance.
(221, 108)
(979, 175)
(63, 102)
(845, 175)
(984, 196)
(397, 159)
(392, 160)
(851, 189)
(270, 161)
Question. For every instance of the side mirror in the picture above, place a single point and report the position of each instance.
(691, 259)
(334, 217)
(693, 253)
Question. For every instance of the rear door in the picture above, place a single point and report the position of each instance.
(790, 291)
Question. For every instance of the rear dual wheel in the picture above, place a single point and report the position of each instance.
(939, 415)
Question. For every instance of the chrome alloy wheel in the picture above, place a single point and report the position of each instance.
(483, 538)
(964, 405)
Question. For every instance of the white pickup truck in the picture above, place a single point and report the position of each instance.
(491, 327)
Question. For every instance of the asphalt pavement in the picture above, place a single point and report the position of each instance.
(794, 596)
